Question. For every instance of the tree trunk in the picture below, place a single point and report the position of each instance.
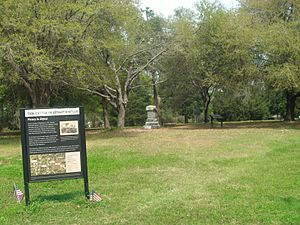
(206, 109)
(39, 92)
(206, 98)
(39, 100)
(105, 113)
(94, 120)
(186, 119)
(1, 118)
(206, 117)
(156, 99)
(290, 106)
(121, 116)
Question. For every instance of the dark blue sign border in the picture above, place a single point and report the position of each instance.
(26, 156)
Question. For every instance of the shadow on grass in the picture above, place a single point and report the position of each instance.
(244, 125)
(131, 132)
(59, 197)
(7, 138)
(115, 133)
(95, 132)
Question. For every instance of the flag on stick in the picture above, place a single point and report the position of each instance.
(18, 194)
(94, 197)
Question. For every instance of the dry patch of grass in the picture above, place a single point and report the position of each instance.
(10, 146)
(181, 175)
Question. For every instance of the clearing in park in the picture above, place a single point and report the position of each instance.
(242, 174)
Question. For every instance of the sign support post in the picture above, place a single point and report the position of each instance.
(83, 157)
(25, 161)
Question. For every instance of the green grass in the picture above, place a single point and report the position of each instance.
(181, 175)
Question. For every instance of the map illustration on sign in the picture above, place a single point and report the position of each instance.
(46, 164)
(56, 163)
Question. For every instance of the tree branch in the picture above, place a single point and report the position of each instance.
(136, 73)
(156, 83)
(108, 91)
(135, 54)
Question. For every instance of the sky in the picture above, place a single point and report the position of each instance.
(166, 7)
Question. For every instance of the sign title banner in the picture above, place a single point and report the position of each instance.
(51, 112)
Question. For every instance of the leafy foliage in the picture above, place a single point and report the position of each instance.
(94, 53)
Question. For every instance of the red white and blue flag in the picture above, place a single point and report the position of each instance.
(94, 197)
(18, 194)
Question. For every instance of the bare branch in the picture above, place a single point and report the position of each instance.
(136, 73)
(90, 20)
(93, 92)
(130, 56)
(156, 83)
(88, 90)
(26, 84)
(134, 54)
(108, 91)
(109, 88)
(160, 82)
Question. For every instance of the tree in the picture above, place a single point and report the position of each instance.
(283, 67)
(157, 26)
(211, 50)
(277, 23)
(121, 56)
(38, 39)
(140, 97)
(12, 97)
(176, 69)
(244, 101)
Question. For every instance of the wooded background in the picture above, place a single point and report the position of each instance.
(115, 58)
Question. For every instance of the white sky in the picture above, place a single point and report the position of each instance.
(166, 7)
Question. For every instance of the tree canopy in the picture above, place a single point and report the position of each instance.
(208, 58)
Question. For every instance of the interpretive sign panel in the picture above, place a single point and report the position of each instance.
(53, 144)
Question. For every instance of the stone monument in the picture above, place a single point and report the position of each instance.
(152, 118)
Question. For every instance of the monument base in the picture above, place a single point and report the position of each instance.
(151, 125)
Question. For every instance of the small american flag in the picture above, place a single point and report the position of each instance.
(94, 197)
(18, 193)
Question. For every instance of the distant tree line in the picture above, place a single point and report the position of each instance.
(115, 58)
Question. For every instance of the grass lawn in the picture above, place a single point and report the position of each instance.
(243, 174)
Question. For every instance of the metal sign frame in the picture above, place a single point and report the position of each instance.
(32, 135)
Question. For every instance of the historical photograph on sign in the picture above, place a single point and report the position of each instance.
(47, 164)
(68, 127)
